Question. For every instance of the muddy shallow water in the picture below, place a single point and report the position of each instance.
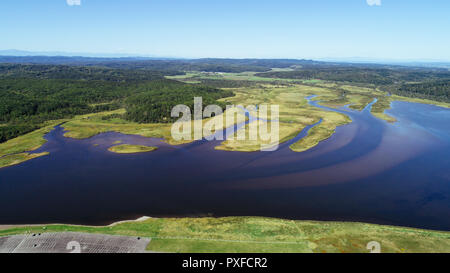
(369, 171)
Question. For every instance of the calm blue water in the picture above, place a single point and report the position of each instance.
(369, 171)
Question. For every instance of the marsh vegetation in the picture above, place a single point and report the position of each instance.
(131, 149)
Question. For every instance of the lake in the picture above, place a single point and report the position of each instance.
(368, 171)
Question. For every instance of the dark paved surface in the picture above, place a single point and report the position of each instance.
(68, 242)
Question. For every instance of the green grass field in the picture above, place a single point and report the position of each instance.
(255, 234)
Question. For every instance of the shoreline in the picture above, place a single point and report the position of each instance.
(255, 235)
(145, 218)
(36, 139)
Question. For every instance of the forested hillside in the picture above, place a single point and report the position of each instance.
(31, 95)
(369, 75)
(168, 65)
(155, 102)
(79, 73)
(435, 90)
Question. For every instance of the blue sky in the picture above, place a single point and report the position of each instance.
(388, 29)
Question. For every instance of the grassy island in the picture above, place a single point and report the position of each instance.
(131, 149)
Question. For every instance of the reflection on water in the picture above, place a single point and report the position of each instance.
(369, 171)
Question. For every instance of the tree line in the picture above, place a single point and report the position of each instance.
(31, 95)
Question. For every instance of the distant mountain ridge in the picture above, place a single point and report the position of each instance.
(179, 64)
(207, 65)
(23, 53)
(61, 57)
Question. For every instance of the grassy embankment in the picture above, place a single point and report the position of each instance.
(131, 149)
(417, 100)
(254, 234)
(15, 151)
(15, 159)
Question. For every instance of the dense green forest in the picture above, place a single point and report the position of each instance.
(333, 74)
(167, 65)
(435, 90)
(33, 94)
(376, 76)
(155, 103)
(80, 73)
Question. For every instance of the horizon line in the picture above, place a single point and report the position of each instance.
(118, 55)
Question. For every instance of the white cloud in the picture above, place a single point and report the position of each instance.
(373, 2)
(73, 2)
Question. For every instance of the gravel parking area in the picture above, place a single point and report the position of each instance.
(72, 242)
